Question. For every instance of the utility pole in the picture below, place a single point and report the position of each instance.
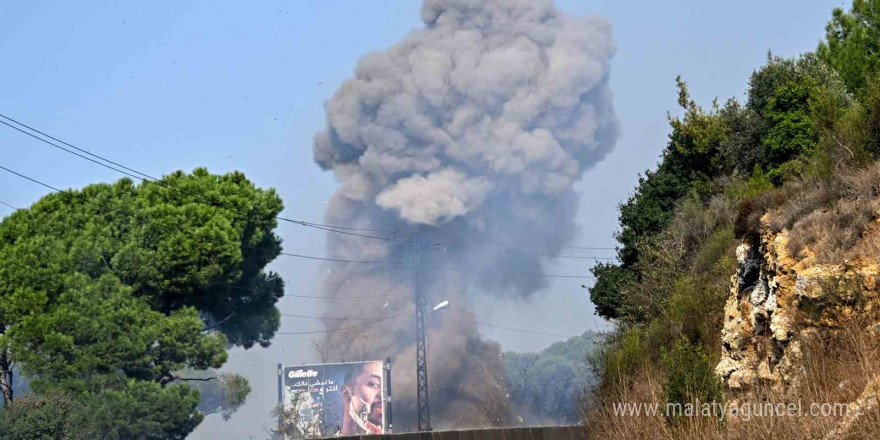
(387, 411)
(424, 407)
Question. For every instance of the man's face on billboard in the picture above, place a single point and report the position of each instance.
(367, 387)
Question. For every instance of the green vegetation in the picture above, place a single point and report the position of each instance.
(690, 378)
(108, 292)
(852, 41)
(807, 123)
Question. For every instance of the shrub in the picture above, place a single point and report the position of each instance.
(689, 377)
(622, 358)
(694, 310)
(52, 416)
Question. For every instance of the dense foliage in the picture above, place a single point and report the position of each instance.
(852, 42)
(107, 292)
(808, 119)
(689, 380)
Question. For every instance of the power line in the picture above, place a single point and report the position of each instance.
(524, 331)
(70, 145)
(509, 251)
(574, 257)
(342, 328)
(587, 248)
(543, 275)
(385, 295)
(71, 152)
(167, 185)
(376, 321)
(8, 205)
(506, 249)
(297, 255)
(518, 330)
(307, 296)
(32, 180)
(346, 228)
(332, 318)
(334, 229)
(530, 274)
(339, 259)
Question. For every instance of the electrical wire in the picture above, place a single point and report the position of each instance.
(573, 257)
(507, 250)
(524, 331)
(376, 319)
(70, 145)
(346, 228)
(484, 324)
(167, 185)
(308, 296)
(587, 248)
(329, 228)
(282, 253)
(530, 274)
(8, 205)
(32, 180)
(340, 259)
(336, 230)
(71, 152)
(343, 328)
(331, 318)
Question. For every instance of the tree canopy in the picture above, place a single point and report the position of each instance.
(852, 44)
(107, 291)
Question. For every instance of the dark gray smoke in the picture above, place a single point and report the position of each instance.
(472, 132)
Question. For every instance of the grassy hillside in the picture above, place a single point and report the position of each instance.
(795, 146)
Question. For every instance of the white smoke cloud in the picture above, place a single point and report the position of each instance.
(472, 129)
(442, 194)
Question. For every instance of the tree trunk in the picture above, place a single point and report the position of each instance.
(6, 377)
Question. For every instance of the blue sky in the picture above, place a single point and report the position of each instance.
(164, 85)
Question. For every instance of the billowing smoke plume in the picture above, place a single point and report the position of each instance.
(471, 132)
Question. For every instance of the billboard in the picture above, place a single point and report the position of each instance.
(327, 400)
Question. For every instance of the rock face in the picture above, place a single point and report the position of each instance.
(778, 302)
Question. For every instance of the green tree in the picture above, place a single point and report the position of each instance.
(690, 162)
(108, 291)
(121, 409)
(607, 293)
(794, 100)
(852, 44)
(790, 129)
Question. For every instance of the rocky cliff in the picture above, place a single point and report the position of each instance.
(778, 302)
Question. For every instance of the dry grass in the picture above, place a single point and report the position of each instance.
(834, 233)
(835, 370)
(830, 217)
